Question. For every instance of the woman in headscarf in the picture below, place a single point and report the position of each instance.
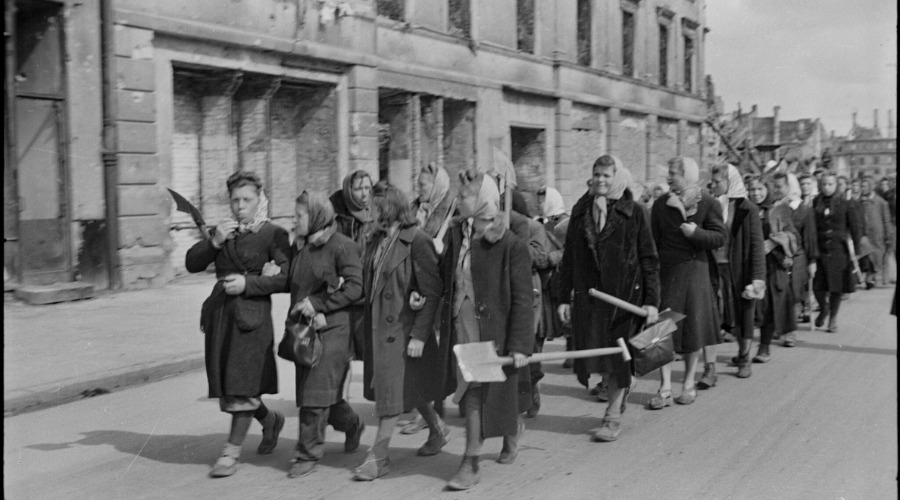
(402, 360)
(487, 296)
(807, 250)
(237, 316)
(775, 312)
(687, 226)
(739, 270)
(836, 222)
(609, 248)
(433, 204)
(325, 280)
(355, 220)
(553, 211)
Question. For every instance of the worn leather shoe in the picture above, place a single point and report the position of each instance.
(225, 466)
(415, 426)
(467, 475)
(372, 468)
(608, 431)
(535, 402)
(790, 339)
(351, 442)
(511, 445)
(820, 318)
(744, 370)
(709, 378)
(660, 401)
(762, 356)
(434, 443)
(270, 435)
(301, 468)
(687, 396)
(832, 325)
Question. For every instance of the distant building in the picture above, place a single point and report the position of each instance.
(865, 151)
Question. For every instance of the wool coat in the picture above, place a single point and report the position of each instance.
(620, 261)
(746, 262)
(836, 222)
(777, 307)
(396, 382)
(808, 251)
(313, 269)
(551, 326)
(877, 226)
(501, 279)
(239, 334)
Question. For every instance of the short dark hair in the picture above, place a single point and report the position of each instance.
(751, 178)
(804, 176)
(678, 162)
(829, 173)
(393, 206)
(604, 161)
(243, 178)
(718, 169)
(839, 177)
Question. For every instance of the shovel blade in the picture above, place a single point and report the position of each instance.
(670, 315)
(478, 362)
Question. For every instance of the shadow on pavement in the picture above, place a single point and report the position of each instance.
(847, 348)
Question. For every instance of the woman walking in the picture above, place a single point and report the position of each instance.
(237, 316)
(836, 223)
(487, 296)
(687, 226)
(775, 312)
(807, 248)
(610, 249)
(402, 360)
(325, 280)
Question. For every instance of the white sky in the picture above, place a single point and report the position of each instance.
(814, 58)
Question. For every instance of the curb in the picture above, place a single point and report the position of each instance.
(48, 396)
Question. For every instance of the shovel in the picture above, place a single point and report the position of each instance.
(664, 317)
(478, 361)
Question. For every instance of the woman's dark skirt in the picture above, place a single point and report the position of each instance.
(687, 288)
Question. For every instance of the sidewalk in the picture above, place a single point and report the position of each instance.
(53, 354)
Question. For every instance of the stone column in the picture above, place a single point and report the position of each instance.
(363, 110)
(564, 175)
(613, 117)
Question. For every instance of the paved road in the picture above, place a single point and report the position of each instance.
(817, 422)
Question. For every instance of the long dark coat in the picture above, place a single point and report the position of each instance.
(777, 307)
(396, 382)
(805, 224)
(620, 261)
(313, 268)
(501, 279)
(239, 333)
(746, 260)
(834, 270)
(551, 326)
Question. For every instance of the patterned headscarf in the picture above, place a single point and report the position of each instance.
(553, 203)
(321, 217)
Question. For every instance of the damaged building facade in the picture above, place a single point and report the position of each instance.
(110, 102)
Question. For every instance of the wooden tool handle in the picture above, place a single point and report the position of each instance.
(618, 302)
(439, 239)
(587, 353)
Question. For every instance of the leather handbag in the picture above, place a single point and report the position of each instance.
(653, 348)
(301, 344)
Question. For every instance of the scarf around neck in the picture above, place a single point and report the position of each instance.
(439, 190)
(686, 201)
(259, 218)
(620, 182)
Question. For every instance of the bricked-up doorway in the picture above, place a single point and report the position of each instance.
(37, 247)
(284, 130)
(395, 136)
(529, 156)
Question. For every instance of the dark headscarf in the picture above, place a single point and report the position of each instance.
(321, 217)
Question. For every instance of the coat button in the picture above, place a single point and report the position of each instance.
(389, 319)
(481, 308)
(390, 340)
(389, 296)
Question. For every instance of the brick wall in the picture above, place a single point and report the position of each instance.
(632, 144)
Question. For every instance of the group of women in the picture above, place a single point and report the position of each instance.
(397, 286)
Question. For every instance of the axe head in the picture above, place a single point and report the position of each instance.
(478, 362)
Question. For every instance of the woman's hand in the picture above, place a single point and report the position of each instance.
(271, 269)
(234, 284)
(305, 308)
(652, 314)
(319, 322)
(565, 313)
(224, 231)
(688, 229)
(519, 359)
(415, 348)
(416, 301)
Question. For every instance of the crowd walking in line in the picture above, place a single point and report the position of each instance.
(397, 285)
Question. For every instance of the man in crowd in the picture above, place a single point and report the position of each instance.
(877, 228)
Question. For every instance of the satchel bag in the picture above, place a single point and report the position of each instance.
(301, 344)
(652, 348)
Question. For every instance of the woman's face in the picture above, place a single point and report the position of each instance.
(828, 185)
(244, 202)
(675, 178)
(425, 185)
(780, 189)
(719, 183)
(806, 186)
(758, 192)
(602, 180)
(301, 220)
(842, 184)
(362, 191)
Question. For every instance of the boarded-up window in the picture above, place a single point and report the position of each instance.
(663, 55)
(393, 9)
(584, 32)
(627, 43)
(529, 156)
(688, 64)
(525, 25)
(460, 22)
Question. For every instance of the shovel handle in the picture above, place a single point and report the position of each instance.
(633, 309)
(587, 353)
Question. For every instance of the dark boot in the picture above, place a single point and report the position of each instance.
(535, 402)
(822, 299)
(467, 475)
(832, 319)
(744, 370)
(709, 376)
(272, 425)
(511, 445)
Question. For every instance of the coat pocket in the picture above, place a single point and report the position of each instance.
(249, 314)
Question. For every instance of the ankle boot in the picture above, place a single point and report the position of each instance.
(762, 356)
(511, 445)
(272, 425)
(709, 376)
(744, 370)
(467, 475)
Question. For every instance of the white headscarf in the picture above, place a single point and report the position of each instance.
(553, 203)
(736, 189)
(261, 215)
(686, 201)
